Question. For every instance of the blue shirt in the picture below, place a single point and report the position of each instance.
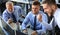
(30, 18)
(17, 11)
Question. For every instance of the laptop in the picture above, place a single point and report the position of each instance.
(9, 30)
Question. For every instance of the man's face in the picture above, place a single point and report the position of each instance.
(35, 9)
(9, 7)
(47, 8)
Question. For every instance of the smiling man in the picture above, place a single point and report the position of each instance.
(51, 6)
(31, 17)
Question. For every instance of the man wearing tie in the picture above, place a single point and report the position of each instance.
(12, 13)
(31, 17)
(51, 6)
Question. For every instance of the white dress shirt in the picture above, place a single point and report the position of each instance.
(57, 17)
(48, 26)
(57, 20)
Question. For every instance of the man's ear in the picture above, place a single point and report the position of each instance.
(53, 7)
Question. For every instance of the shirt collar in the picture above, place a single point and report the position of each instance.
(36, 14)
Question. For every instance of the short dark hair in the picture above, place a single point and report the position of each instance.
(36, 3)
(49, 2)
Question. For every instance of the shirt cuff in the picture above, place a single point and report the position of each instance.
(23, 28)
(40, 31)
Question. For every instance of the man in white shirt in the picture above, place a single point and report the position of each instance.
(50, 6)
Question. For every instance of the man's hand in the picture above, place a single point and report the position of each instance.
(25, 31)
(10, 20)
(34, 33)
(39, 17)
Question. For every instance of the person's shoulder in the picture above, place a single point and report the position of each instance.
(17, 7)
(30, 13)
(57, 12)
(59, 9)
(5, 11)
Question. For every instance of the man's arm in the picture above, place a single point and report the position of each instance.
(42, 31)
(21, 11)
(5, 17)
(44, 22)
(20, 14)
(25, 22)
(48, 26)
(44, 17)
